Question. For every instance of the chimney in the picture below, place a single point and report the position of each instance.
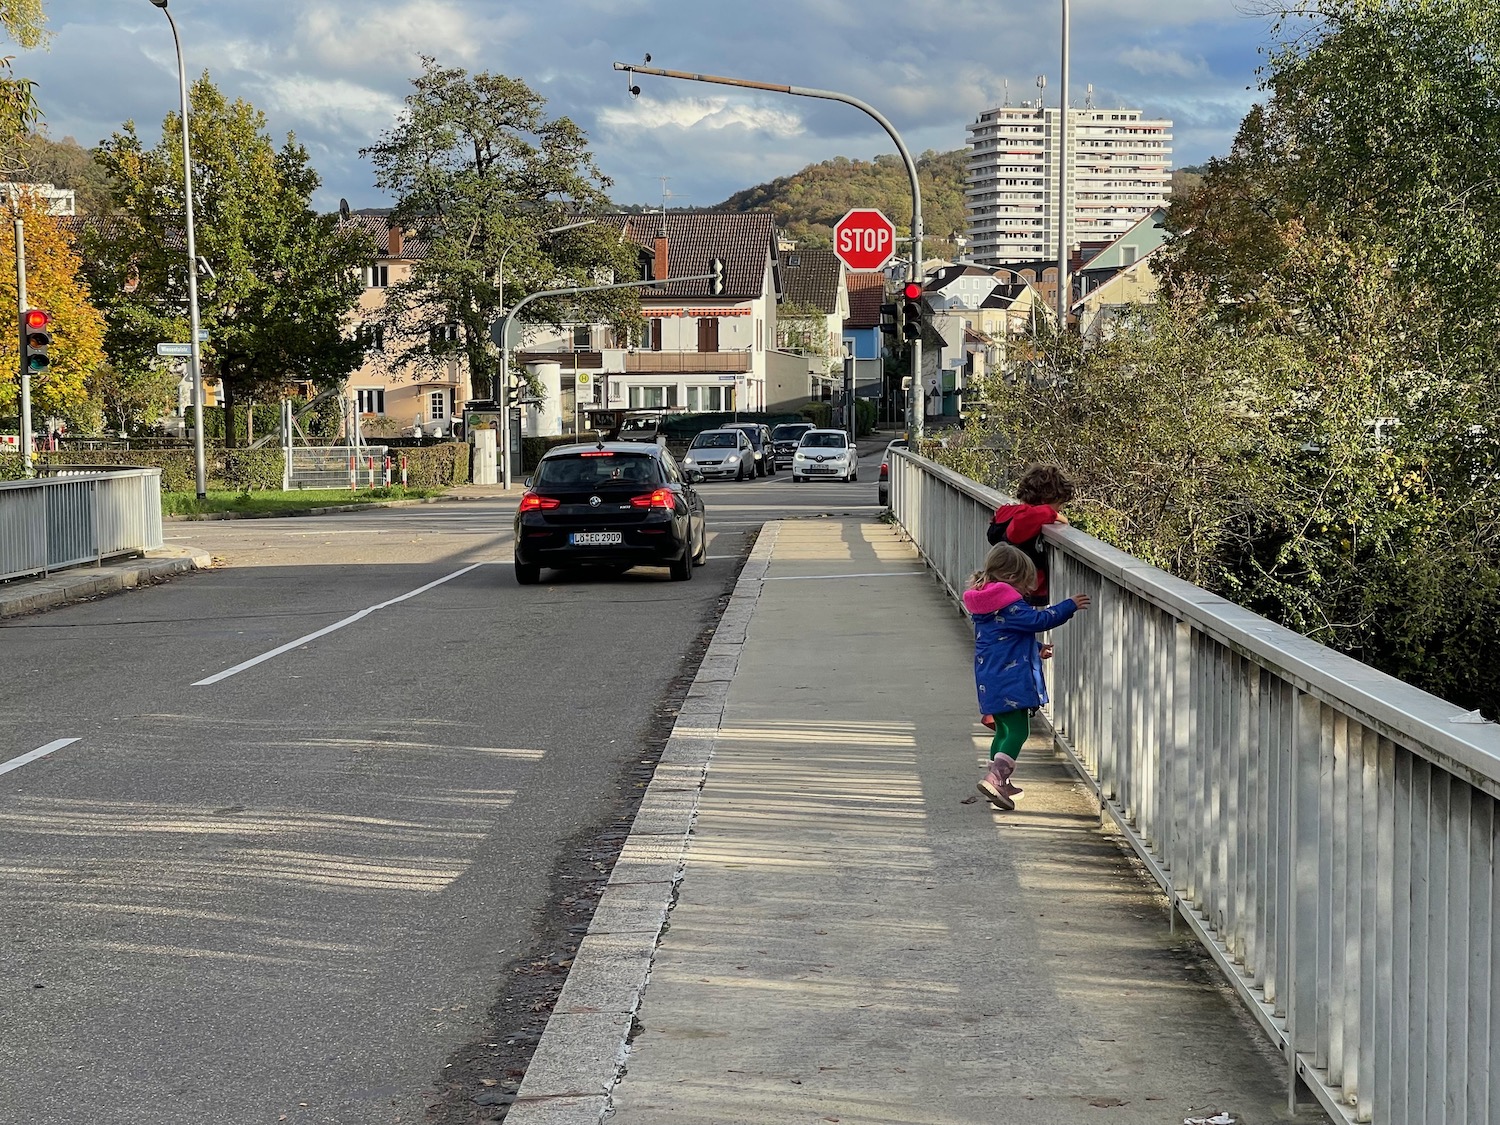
(393, 241)
(659, 265)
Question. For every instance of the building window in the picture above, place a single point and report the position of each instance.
(372, 400)
(664, 398)
(708, 399)
(377, 277)
(583, 337)
(708, 334)
(655, 333)
(372, 337)
(437, 405)
(443, 336)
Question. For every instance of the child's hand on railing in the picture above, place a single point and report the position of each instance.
(1082, 601)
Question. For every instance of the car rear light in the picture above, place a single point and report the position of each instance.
(661, 498)
(531, 502)
(885, 470)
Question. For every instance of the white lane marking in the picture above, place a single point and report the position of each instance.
(39, 752)
(323, 632)
(826, 577)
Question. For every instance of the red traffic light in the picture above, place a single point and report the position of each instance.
(37, 318)
(912, 291)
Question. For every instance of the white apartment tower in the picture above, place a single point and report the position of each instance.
(1118, 168)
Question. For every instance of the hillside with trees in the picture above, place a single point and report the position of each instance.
(807, 203)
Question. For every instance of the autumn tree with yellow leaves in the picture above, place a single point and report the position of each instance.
(52, 283)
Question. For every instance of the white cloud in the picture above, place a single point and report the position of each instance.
(711, 113)
(366, 35)
(1144, 60)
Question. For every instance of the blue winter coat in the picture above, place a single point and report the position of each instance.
(1007, 655)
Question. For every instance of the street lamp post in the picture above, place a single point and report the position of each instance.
(195, 348)
(1064, 287)
(502, 392)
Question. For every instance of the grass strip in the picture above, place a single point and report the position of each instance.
(282, 503)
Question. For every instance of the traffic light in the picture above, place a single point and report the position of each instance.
(888, 319)
(911, 311)
(716, 283)
(36, 332)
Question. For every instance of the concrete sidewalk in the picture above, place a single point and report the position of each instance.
(833, 929)
(79, 583)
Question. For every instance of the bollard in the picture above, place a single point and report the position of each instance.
(370, 462)
(388, 470)
(353, 474)
(403, 470)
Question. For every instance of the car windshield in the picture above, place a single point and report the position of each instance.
(600, 469)
(753, 435)
(823, 441)
(639, 426)
(788, 433)
(716, 440)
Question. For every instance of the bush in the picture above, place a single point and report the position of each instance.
(11, 467)
(433, 466)
(178, 466)
(248, 469)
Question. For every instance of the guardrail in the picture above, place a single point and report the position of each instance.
(1329, 832)
(76, 517)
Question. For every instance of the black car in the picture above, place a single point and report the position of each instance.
(612, 504)
(784, 439)
(760, 440)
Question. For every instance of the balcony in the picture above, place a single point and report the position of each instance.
(687, 363)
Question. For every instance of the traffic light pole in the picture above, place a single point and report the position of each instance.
(915, 400)
(500, 333)
(21, 351)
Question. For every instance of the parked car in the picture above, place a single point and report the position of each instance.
(784, 439)
(721, 453)
(884, 488)
(760, 438)
(825, 453)
(611, 504)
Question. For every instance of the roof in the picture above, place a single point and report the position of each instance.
(378, 228)
(811, 277)
(947, 275)
(866, 294)
(111, 228)
(744, 241)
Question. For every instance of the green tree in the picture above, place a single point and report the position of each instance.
(25, 23)
(133, 400)
(284, 279)
(480, 171)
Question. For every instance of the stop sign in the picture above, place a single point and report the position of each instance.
(864, 239)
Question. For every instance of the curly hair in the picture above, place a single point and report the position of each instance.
(1006, 564)
(1044, 484)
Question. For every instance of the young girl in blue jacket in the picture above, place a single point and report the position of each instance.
(1008, 658)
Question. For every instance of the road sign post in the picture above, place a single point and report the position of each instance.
(864, 240)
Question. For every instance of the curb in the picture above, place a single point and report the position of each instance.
(582, 1053)
(77, 585)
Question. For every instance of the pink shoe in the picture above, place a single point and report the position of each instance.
(987, 721)
(997, 782)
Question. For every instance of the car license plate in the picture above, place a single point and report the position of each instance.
(822, 469)
(596, 538)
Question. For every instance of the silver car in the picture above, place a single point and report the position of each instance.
(727, 454)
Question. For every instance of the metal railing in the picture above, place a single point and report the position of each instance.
(1329, 832)
(77, 516)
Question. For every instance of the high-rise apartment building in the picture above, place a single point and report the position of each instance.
(1118, 167)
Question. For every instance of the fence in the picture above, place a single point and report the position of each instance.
(77, 517)
(339, 466)
(1329, 832)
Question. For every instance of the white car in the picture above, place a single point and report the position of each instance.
(825, 453)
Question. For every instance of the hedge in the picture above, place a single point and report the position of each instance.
(248, 470)
(11, 467)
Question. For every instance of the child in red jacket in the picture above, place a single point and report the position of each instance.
(1042, 491)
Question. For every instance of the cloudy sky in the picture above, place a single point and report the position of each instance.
(335, 72)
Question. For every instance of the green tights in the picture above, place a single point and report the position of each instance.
(1012, 729)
